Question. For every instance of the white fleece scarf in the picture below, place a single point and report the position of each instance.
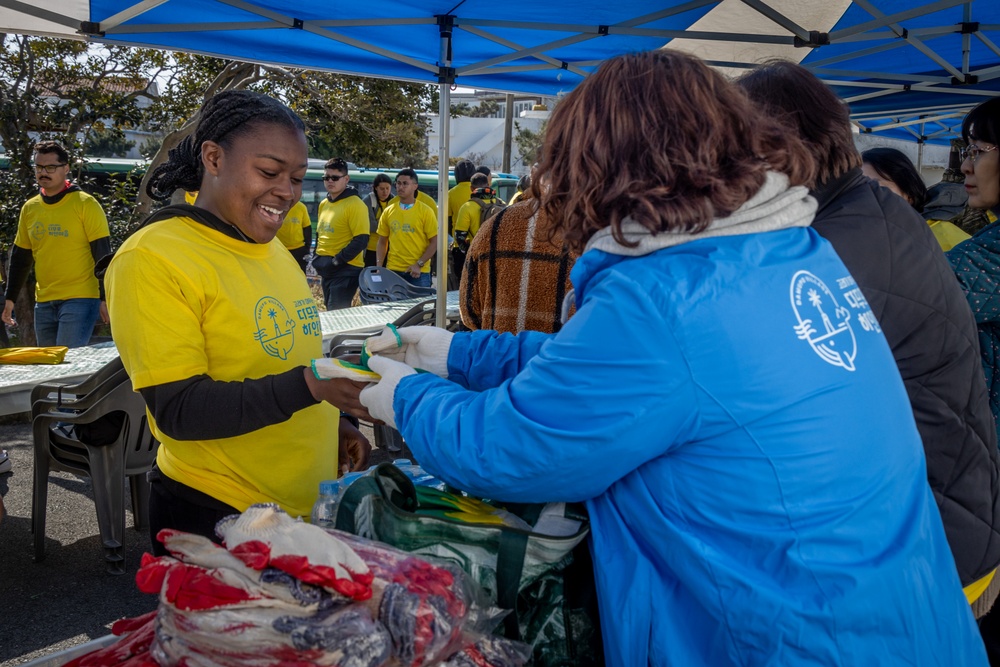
(775, 206)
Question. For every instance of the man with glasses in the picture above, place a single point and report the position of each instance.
(63, 231)
(342, 235)
(409, 227)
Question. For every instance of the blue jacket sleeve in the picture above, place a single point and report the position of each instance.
(483, 359)
(577, 417)
(976, 263)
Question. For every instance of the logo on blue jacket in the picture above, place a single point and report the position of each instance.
(823, 323)
(275, 327)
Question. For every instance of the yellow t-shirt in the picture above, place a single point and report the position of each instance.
(409, 231)
(187, 300)
(457, 196)
(379, 209)
(516, 198)
(59, 237)
(291, 234)
(948, 234)
(190, 197)
(422, 197)
(338, 223)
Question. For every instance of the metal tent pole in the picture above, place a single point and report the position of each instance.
(446, 78)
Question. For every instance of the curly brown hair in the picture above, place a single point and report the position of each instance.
(662, 139)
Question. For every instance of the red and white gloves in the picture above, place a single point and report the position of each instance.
(265, 536)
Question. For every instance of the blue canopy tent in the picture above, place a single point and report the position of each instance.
(904, 66)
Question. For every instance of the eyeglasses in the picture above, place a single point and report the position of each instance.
(973, 152)
(333, 179)
(51, 168)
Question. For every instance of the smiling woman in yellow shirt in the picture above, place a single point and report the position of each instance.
(217, 326)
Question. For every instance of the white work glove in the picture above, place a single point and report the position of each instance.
(423, 348)
(378, 397)
(265, 536)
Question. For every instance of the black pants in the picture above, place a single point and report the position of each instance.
(178, 506)
(339, 282)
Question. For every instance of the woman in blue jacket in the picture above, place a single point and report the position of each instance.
(720, 399)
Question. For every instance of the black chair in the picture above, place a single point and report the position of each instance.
(380, 285)
(102, 433)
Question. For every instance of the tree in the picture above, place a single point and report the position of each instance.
(107, 142)
(529, 143)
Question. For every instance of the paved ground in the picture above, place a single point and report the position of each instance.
(67, 599)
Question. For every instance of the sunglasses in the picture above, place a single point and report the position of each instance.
(49, 168)
(333, 179)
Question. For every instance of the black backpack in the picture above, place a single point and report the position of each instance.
(489, 210)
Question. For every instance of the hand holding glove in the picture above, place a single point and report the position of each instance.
(378, 397)
(423, 348)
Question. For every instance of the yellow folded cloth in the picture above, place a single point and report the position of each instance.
(328, 369)
(33, 355)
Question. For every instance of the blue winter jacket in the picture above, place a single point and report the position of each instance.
(744, 445)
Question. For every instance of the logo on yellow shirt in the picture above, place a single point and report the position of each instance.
(37, 231)
(275, 327)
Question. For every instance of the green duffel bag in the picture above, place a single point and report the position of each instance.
(546, 579)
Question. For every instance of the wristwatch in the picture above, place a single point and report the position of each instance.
(421, 263)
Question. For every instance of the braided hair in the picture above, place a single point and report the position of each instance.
(223, 117)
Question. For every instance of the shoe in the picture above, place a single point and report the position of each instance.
(5, 463)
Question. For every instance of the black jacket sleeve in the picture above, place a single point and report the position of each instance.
(20, 267)
(352, 249)
(99, 249)
(200, 408)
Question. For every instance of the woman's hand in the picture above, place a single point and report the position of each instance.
(343, 394)
(354, 449)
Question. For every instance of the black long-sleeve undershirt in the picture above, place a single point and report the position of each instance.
(200, 408)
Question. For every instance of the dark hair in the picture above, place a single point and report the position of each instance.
(464, 171)
(663, 139)
(791, 93)
(408, 172)
(381, 178)
(50, 147)
(224, 117)
(983, 123)
(893, 165)
(483, 170)
(337, 164)
(480, 180)
(524, 183)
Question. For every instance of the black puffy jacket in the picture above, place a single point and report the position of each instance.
(893, 256)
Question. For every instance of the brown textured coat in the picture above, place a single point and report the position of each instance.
(515, 277)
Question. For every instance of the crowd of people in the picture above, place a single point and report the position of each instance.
(792, 458)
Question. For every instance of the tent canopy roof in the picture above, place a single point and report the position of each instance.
(893, 61)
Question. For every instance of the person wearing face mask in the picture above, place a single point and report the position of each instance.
(216, 326)
(377, 201)
(62, 231)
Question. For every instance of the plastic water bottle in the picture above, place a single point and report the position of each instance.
(331, 491)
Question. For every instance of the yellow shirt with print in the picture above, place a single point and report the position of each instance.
(338, 223)
(409, 230)
(948, 234)
(457, 197)
(187, 300)
(422, 197)
(291, 234)
(59, 237)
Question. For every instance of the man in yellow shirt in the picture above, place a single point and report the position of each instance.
(296, 233)
(410, 228)
(342, 233)
(63, 231)
(483, 205)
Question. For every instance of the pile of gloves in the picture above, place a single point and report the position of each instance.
(285, 593)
